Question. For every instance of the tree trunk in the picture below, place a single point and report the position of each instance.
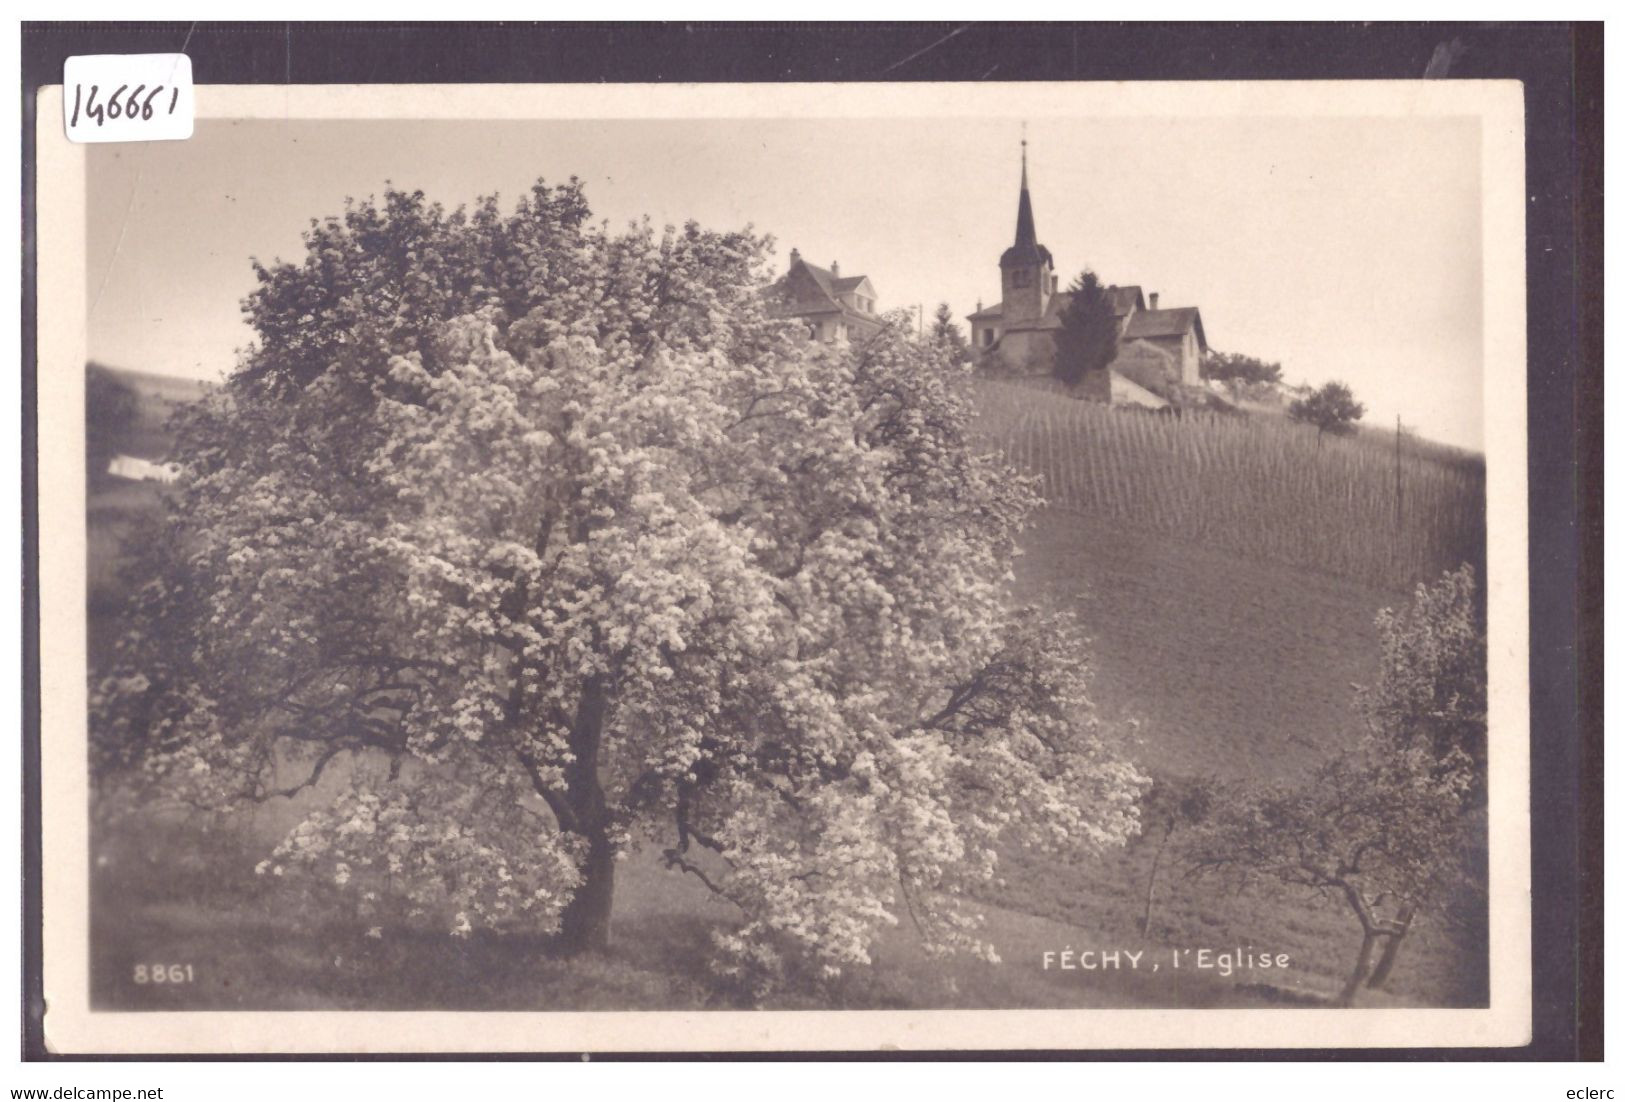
(1151, 881)
(1362, 969)
(584, 925)
(1390, 948)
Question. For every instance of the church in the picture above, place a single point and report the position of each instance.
(1017, 334)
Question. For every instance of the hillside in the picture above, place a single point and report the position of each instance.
(157, 397)
(1257, 486)
(1233, 667)
(1230, 604)
(1230, 611)
(114, 506)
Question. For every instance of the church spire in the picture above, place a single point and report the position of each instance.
(1026, 252)
(1026, 235)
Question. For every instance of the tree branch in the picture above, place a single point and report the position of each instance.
(556, 803)
(674, 860)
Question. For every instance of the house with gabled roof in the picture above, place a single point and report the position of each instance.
(833, 307)
(1017, 334)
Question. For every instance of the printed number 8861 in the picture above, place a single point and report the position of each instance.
(163, 973)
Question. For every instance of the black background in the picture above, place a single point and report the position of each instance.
(1561, 68)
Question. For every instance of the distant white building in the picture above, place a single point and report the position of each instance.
(142, 470)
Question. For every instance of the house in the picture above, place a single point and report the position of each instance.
(1176, 332)
(137, 469)
(832, 306)
(1017, 334)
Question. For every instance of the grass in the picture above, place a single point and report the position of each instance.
(1233, 667)
(113, 509)
(174, 893)
(1223, 622)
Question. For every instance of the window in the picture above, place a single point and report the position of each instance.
(987, 337)
(1021, 277)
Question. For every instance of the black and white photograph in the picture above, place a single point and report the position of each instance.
(639, 555)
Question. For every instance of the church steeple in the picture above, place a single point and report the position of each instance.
(1026, 252)
(1027, 267)
(1026, 235)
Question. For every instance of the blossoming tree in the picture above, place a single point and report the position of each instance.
(562, 543)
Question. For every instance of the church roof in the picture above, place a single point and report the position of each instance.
(1125, 300)
(1026, 250)
(1019, 256)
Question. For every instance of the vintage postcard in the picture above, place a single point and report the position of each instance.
(796, 567)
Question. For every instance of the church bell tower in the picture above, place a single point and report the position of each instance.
(1027, 270)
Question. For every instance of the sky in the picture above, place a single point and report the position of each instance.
(1345, 248)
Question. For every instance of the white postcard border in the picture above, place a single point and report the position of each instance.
(72, 1026)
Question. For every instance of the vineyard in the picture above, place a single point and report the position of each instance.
(1258, 486)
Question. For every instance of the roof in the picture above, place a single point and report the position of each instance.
(1026, 250)
(1126, 299)
(829, 282)
(822, 276)
(1166, 323)
(808, 289)
(1020, 256)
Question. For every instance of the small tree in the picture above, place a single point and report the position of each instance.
(1377, 829)
(1236, 367)
(1331, 408)
(1388, 826)
(947, 336)
(1432, 693)
(1087, 339)
(1431, 689)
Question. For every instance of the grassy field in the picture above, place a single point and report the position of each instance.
(1233, 667)
(1234, 663)
(174, 893)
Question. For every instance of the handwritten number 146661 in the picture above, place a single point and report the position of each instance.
(119, 105)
